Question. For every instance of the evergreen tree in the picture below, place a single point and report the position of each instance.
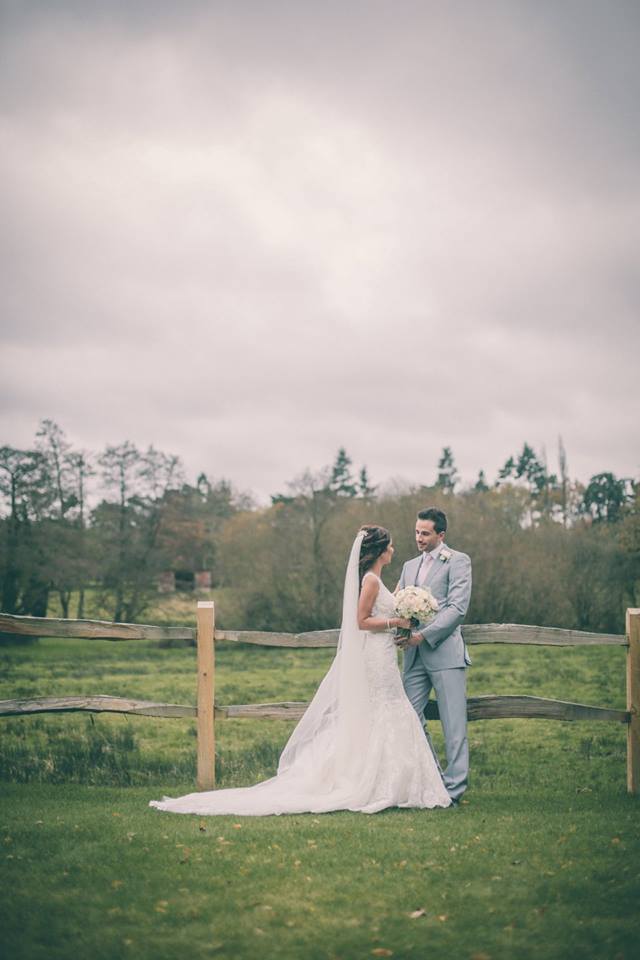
(481, 485)
(447, 473)
(533, 472)
(341, 482)
(365, 488)
(507, 470)
(605, 497)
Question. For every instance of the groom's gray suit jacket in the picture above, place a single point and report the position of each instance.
(449, 580)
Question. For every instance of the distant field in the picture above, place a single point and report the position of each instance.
(171, 608)
(543, 860)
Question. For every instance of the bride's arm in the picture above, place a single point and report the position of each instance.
(368, 594)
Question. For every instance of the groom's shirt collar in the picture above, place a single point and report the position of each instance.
(435, 553)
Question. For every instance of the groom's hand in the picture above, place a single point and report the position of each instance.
(412, 641)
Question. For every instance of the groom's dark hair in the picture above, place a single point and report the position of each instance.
(437, 517)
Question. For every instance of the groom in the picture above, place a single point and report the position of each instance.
(435, 655)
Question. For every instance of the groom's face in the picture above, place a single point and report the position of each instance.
(426, 537)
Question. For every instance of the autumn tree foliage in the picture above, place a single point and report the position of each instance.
(545, 548)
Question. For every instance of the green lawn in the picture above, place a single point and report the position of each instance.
(542, 860)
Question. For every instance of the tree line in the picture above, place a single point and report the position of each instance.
(546, 549)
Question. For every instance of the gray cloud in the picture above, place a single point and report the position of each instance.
(252, 234)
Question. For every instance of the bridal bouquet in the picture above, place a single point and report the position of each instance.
(417, 604)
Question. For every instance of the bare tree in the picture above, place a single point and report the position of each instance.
(24, 588)
(128, 525)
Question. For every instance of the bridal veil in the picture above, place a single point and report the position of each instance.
(321, 766)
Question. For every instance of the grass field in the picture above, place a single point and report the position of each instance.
(541, 860)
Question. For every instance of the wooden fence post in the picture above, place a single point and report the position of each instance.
(206, 694)
(633, 700)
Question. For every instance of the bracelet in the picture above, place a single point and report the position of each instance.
(388, 625)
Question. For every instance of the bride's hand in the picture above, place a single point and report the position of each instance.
(402, 622)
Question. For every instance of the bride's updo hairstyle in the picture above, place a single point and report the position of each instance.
(376, 540)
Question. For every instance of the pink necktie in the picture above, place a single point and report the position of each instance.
(424, 570)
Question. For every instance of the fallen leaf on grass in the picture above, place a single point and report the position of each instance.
(237, 826)
(480, 956)
(382, 952)
(417, 913)
(202, 827)
(116, 884)
(443, 917)
(615, 840)
(161, 906)
(186, 853)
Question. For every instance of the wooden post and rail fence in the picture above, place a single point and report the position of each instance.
(207, 711)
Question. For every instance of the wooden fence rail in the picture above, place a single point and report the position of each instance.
(474, 633)
(207, 711)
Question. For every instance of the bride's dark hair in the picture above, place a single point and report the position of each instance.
(376, 540)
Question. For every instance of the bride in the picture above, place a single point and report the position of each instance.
(360, 745)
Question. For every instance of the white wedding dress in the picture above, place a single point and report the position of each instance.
(360, 745)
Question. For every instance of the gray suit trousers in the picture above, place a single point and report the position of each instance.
(450, 690)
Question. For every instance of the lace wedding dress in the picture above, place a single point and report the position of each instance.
(360, 745)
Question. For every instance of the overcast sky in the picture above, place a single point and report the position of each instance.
(250, 233)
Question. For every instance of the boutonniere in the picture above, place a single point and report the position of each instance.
(445, 555)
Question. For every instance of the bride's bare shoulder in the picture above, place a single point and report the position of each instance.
(370, 583)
